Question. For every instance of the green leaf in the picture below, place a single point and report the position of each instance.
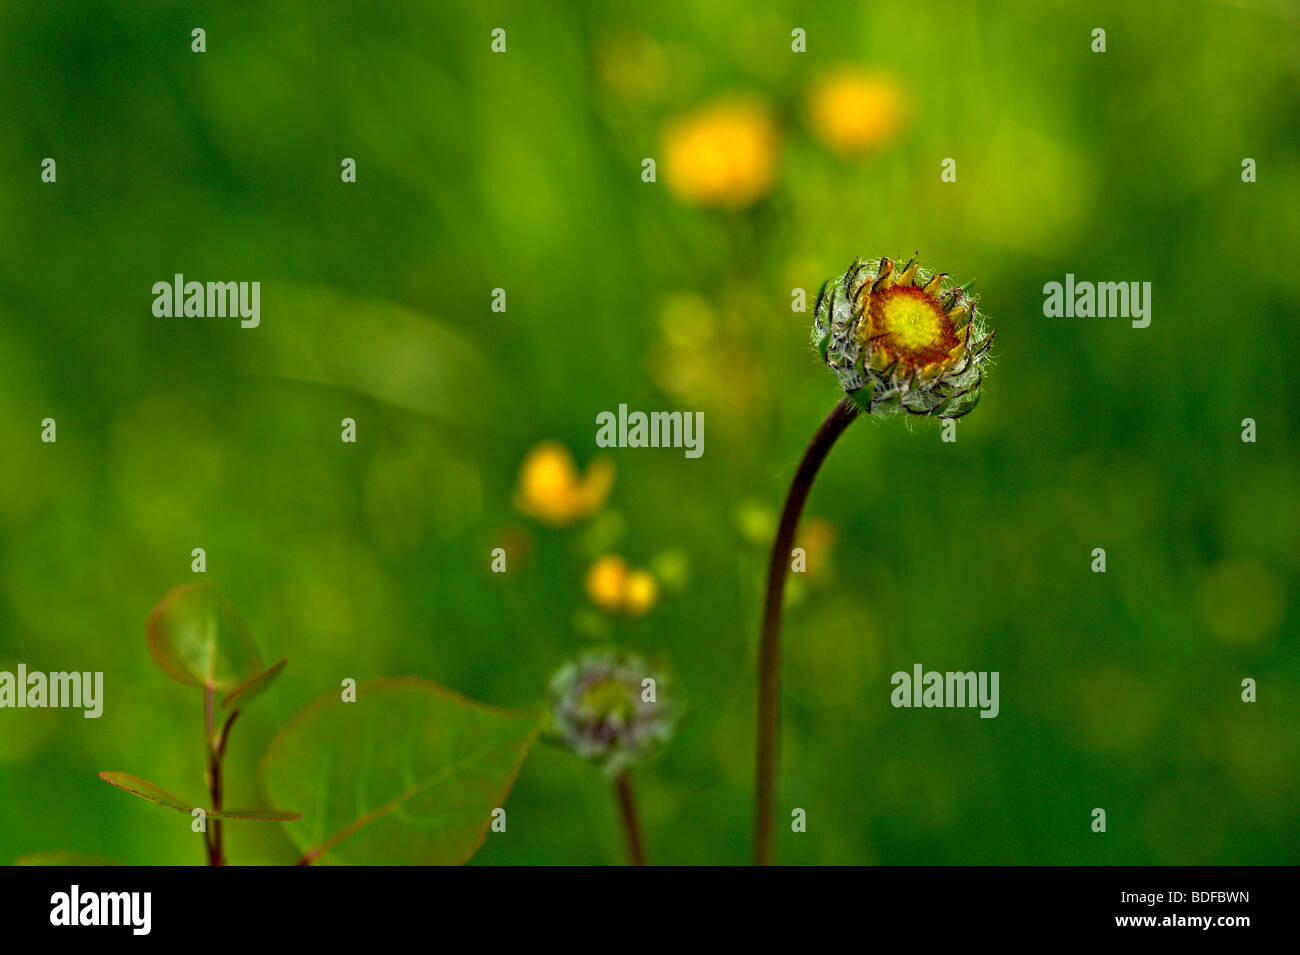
(407, 775)
(944, 406)
(959, 405)
(197, 638)
(241, 697)
(862, 397)
(147, 790)
(256, 815)
(64, 857)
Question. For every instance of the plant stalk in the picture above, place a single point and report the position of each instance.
(215, 750)
(769, 647)
(631, 822)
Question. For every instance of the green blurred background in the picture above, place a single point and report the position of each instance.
(522, 171)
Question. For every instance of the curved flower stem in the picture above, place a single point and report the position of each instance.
(631, 823)
(769, 648)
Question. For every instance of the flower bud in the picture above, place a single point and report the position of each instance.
(612, 709)
(899, 339)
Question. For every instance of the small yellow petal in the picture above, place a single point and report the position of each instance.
(933, 286)
(862, 330)
(885, 278)
(864, 296)
(908, 275)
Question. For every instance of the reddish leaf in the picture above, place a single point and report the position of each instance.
(257, 815)
(147, 790)
(64, 857)
(253, 688)
(197, 638)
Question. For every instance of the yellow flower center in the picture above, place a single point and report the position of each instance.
(910, 325)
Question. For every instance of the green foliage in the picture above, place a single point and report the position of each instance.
(147, 790)
(862, 397)
(521, 171)
(409, 774)
(406, 772)
(238, 698)
(62, 857)
(197, 638)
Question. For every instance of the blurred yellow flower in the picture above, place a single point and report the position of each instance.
(606, 581)
(640, 592)
(817, 538)
(616, 588)
(721, 155)
(552, 491)
(853, 111)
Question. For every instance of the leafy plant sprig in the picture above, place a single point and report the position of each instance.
(395, 771)
(195, 637)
